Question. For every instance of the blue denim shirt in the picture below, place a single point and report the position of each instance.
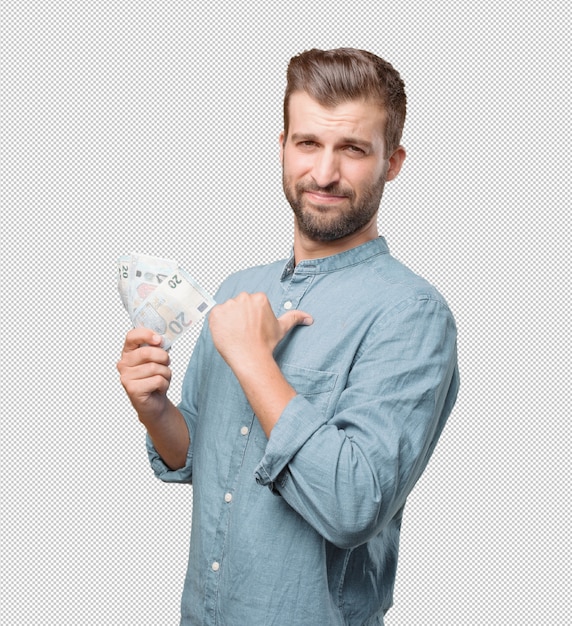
(302, 529)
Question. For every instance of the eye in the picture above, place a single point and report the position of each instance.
(355, 150)
(306, 145)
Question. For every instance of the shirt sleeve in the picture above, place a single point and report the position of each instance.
(162, 471)
(189, 409)
(349, 475)
(195, 377)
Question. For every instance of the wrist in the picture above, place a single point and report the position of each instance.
(155, 415)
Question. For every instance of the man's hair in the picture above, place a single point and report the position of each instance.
(334, 76)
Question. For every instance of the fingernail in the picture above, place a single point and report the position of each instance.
(157, 339)
(307, 321)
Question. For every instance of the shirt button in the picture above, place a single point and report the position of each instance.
(215, 566)
(227, 497)
(244, 430)
(288, 304)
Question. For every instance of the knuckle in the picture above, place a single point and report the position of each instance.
(145, 353)
(125, 382)
(260, 297)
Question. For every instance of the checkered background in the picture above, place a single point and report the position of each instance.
(153, 127)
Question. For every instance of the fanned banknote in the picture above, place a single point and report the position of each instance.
(160, 295)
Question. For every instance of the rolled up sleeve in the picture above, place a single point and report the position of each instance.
(163, 472)
(189, 408)
(348, 469)
(297, 424)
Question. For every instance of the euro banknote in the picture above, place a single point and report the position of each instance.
(160, 295)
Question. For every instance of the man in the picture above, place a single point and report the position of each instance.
(319, 386)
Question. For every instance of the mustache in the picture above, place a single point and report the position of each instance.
(332, 189)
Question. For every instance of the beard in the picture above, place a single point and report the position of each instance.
(327, 223)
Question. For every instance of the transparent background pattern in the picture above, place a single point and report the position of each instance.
(153, 127)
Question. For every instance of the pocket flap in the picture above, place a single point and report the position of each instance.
(308, 382)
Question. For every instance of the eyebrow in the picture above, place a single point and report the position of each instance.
(354, 141)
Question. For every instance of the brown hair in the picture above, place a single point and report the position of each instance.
(334, 76)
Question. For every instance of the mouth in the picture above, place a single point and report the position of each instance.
(322, 198)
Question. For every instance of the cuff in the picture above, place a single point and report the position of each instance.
(296, 425)
(162, 471)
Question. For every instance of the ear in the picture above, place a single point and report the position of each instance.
(395, 162)
(281, 141)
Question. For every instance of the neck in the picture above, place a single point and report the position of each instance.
(305, 248)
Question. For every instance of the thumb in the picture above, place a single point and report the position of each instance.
(294, 318)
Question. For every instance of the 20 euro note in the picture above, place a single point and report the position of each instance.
(123, 266)
(173, 307)
(144, 274)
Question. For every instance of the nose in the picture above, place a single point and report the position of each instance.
(326, 169)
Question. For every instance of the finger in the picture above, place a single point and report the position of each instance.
(143, 356)
(140, 388)
(294, 318)
(140, 336)
(143, 387)
(146, 370)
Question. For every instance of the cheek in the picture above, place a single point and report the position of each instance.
(296, 165)
(365, 178)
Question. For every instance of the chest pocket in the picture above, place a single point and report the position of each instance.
(315, 385)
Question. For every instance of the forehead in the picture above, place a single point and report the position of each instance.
(360, 118)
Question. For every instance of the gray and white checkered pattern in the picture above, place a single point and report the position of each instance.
(153, 127)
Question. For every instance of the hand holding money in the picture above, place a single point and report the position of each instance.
(160, 295)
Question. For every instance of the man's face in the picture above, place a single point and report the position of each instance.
(334, 166)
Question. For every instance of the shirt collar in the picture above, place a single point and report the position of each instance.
(335, 262)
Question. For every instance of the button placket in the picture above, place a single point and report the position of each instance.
(295, 290)
(228, 496)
